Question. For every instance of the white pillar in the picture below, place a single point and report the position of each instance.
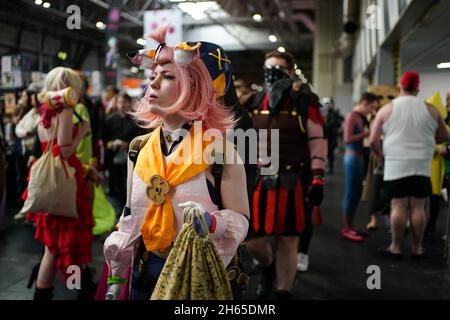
(327, 70)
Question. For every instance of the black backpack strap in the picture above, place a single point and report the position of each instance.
(77, 115)
(217, 171)
(235, 270)
(135, 147)
(133, 152)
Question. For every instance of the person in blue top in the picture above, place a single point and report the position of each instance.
(355, 131)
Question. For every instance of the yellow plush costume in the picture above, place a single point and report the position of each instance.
(437, 164)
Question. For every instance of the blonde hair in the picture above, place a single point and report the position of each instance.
(60, 78)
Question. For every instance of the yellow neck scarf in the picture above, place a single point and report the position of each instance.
(158, 229)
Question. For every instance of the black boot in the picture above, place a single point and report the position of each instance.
(88, 287)
(282, 295)
(43, 294)
(265, 285)
(33, 275)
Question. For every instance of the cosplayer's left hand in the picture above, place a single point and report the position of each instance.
(315, 195)
(95, 176)
(208, 217)
(315, 192)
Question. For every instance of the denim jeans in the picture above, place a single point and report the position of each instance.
(354, 177)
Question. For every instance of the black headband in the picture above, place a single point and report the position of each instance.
(158, 51)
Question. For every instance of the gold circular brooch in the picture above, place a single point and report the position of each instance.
(157, 190)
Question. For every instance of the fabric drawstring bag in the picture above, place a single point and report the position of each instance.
(103, 211)
(52, 187)
(194, 269)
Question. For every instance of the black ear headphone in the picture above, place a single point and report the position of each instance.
(158, 51)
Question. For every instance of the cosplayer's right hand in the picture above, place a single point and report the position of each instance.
(443, 151)
(93, 175)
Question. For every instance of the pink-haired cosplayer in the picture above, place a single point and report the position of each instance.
(186, 83)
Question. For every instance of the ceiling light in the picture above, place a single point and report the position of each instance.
(443, 65)
(100, 25)
(257, 17)
(273, 38)
(203, 10)
(38, 2)
(62, 55)
(46, 5)
(141, 42)
(281, 49)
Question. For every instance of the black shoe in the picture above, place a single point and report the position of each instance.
(88, 287)
(417, 257)
(429, 231)
(388, 254)
(265, 285)
(282, 295)
(43, 294)
(33, 275)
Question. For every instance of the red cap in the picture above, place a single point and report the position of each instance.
(410, 81)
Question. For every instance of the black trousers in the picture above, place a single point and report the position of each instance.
(118, 182)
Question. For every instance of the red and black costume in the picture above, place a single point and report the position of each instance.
(280, 204)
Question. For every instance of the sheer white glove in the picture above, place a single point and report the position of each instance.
(206, 215)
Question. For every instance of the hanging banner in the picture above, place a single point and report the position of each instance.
(112, 54)
(173, 18)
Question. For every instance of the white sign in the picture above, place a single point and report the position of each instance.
(156, 18)
(7, 77)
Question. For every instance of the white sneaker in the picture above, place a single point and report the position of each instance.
(444, 194)
(302, 262)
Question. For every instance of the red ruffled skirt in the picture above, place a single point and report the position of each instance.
(69, 239)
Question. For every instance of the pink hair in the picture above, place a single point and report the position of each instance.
(195, 92)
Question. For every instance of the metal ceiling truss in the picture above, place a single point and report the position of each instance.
(292, 21)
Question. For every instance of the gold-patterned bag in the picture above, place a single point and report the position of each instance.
(194, 269)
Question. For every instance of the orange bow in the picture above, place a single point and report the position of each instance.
(158, 230)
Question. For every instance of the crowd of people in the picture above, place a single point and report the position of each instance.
(401, 167)
(112, 129)
(394, 154)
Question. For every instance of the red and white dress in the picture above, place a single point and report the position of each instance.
(69, 239)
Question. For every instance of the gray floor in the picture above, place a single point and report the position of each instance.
(337, 270)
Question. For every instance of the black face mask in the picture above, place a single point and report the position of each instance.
(272, 75)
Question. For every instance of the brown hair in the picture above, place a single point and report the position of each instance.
(286, 56)
(124, 96)
(369, 97)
